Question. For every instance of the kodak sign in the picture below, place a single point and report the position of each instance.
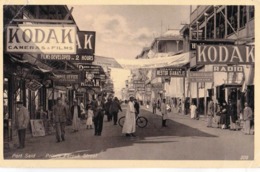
(225, 54)
(47, 39)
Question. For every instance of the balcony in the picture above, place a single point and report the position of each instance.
(198, 12)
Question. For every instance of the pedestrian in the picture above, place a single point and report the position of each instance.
(232, 111)
(247, 117)
(193, 109)
(114, 109)
(21, 122)
(164, 113)
(107, 108)
(223, 117)
(75, 113)
(137, 107)
(59, 116)
(69, 119)
(90, 117)
(154, 107)
(98, 108)
(218, 114)
(210, 113)
(129, 127)
(82, 110)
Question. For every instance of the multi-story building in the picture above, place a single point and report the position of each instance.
(221, 25)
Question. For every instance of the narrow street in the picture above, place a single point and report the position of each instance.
(183, 139)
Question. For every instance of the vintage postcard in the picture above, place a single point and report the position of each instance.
(129, 84)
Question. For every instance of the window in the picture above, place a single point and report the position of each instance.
(220, 25)
(242, 16)
(210, 28)
(251, 12)
(232, 18)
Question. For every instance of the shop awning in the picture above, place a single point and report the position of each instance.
(26, 63)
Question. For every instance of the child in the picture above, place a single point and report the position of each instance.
(90, 117)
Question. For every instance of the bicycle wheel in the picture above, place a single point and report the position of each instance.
(121, 121)
(141, 122)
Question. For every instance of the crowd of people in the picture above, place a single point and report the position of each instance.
(226, 116)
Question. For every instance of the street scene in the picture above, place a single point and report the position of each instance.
(129, 82)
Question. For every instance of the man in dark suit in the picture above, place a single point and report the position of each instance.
(98, 108)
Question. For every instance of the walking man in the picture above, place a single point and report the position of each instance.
(164, 113)
(154, 107)
(98, 107)
(114, 109)
(59, 115)
(210, 113)
(22, 121)
(137, 107)
(129, 125)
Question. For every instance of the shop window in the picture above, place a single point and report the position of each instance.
(243, 21)
(232, 18)
(251, 12)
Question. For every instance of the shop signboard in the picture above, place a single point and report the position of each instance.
(140, 89)
(45, 39)
(37, 128)
(223, 68)
(85, 51)
(80, 58)
(93, 69)
(225, 54)
(170, 71)
(33, 85)
(66, 78)
(79, 94)
(201, 77)
(157, 86)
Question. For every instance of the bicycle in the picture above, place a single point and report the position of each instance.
(141, 121)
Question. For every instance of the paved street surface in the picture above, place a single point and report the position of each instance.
(183, 139)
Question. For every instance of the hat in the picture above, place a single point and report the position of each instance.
(19, 102)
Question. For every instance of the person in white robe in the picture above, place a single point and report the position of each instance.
(129, 127)
(193, 111)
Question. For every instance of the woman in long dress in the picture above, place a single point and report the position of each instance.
(75, 113)
(130, 123)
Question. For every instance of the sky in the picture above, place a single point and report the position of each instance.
(123, 30)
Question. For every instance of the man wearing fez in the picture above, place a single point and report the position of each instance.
(59, 117)
(21, 122)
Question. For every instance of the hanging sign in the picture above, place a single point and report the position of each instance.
(85, 51)
(171, 71)
(33, 85)
(201, 77)
(66, 78)
(225, 54)
(46, 39)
